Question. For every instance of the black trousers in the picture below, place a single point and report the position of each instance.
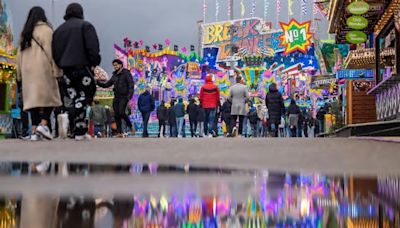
(234, 120)
(228, 124)
(161, 123)
(146, 117)
(119, 106)
(193, 127)
(78, 92)
(24, 118)
(39, 114)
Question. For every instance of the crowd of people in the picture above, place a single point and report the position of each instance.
(56, 80)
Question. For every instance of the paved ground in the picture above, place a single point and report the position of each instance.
(327, 156)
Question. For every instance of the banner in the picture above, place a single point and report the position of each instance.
(322, 81)
(355, 74)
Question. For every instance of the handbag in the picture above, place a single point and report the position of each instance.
(55, 71)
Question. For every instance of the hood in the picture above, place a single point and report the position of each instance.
(273, 88)
(209, 79)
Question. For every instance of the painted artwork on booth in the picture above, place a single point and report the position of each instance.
(6, 35)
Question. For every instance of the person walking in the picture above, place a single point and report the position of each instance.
(306, 123)
(172, 120)
(76, 51)
(99, 118)
(192, 110)
(276, 108)
(37, 72)
(180, 116)
(123, 87)
(209, 98)
(109, 122)
(146, 106)
(253, 119)
(162, 116)
(227, 117)
(201, 118)
(321, 120)
(293, 115)
(239, 96)
(261, 120)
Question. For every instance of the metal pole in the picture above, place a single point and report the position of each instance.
(52, 11)
(231, 16)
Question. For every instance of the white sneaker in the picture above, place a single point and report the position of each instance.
(35, 138)
(179, 136)
(83, 137)
(44, 131)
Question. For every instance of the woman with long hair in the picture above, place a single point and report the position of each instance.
(37, 73)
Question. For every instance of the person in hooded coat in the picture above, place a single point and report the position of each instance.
(276, 108)
(146, 106)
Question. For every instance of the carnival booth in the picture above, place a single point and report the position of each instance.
(7, 87)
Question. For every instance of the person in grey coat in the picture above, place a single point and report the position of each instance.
(238, 95)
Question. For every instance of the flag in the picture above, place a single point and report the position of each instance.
(216, 9)
(304, 7)
(278, 7)
(253, 7)
(266, 7)
(315, 9)
(204, 10)
(243, 11)
(290, 4)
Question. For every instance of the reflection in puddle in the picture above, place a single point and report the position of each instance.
(275, 200)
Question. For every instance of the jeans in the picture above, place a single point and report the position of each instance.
(172, 130)
(98, 129)
(254, 130)
(245, 126)
(321, 126)
(180, 121)
(260, 129)
(119, 105)
(201, 128)
(146, 117)
(209, 123)
(273, 127)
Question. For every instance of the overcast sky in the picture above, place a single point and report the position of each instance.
(151, 20)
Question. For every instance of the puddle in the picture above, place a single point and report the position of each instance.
(196, 197)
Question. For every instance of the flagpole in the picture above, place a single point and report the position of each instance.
(52, 11)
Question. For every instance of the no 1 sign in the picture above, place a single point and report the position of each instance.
(296, 36)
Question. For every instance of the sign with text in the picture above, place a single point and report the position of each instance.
(322, 81)
(296, 36)
(355, 74)
(251, 36)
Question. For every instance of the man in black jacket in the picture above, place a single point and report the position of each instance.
(76, 51)
(123, 91)
(276, 108)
